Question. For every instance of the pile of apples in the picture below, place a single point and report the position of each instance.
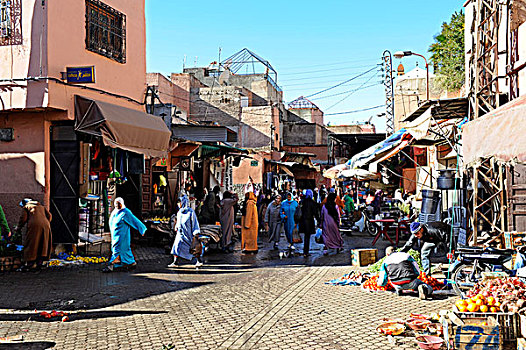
(501, 294)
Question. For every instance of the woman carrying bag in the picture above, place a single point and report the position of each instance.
(309, 212)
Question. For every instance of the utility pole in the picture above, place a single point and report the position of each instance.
(389, 95)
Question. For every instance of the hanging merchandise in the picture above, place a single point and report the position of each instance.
(162, 181)
(118, 175)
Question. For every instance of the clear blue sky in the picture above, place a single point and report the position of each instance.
(313, 45)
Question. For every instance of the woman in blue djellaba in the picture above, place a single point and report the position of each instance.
(121, 220)
(288, 208)
(186, 245)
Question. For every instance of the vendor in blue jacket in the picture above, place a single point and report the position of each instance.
(402, 270)
(430, 235)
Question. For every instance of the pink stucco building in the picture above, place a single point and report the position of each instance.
(37, 104)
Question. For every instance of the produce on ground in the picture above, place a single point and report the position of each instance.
(84, 259)
(371, 283)
(391, 328)
(495, 295)
(54, 313)
(376, 266)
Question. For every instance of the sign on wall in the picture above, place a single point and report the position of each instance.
(80, 75)
(7, 134)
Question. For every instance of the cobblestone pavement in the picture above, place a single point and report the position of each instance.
(233, 302)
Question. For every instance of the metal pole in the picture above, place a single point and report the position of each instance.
(389, 92)
(427, 74)
(475, 201)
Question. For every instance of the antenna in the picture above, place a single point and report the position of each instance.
(184, 61)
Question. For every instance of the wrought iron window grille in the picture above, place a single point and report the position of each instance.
(5, 18)
(105, 31)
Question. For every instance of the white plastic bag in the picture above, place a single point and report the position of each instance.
(360, 224)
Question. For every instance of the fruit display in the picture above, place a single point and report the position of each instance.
(495, 295)
(65, 258)
(371, 283)
(433, 282)
(159, 219)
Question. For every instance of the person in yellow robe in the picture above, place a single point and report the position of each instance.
(249, 225)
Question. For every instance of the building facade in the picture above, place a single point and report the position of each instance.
(52, 53)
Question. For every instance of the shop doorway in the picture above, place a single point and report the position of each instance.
(64, 183)
(130, 191)
(305, 184)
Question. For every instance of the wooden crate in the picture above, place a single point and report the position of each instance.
(510, 323)
(480, 333)
(363, 257)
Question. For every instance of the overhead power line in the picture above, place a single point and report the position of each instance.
(322, 83)
(355, 111)
(330, 64)
(351, 92)
(345, 92)
(343, 82)
(325, 70)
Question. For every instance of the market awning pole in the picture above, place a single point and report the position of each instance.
(475, 201)
(502, 206)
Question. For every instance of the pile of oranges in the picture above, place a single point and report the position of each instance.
(478, 303)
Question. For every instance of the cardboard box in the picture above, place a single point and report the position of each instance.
(363, 257)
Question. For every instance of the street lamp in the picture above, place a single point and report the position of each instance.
(400, 54)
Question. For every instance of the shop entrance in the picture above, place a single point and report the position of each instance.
(64, 169)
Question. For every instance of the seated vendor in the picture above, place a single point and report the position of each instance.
(402, 270)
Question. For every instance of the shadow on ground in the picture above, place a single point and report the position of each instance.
(76, 316)
(85, 287)
(34, 345)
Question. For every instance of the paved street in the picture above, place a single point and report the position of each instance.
(234, 302)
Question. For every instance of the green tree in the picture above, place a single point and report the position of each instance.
(448, 54)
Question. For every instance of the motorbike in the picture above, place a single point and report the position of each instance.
(470, 262)
(349, 222)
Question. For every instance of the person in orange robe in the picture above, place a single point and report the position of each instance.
(249, 225)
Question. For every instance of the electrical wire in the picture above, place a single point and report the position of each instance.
(324, 70)
(343, 82)
(351, 93)
(355, 111)
(57, 80)
(322, 81)
(335, 63)
(342, 93)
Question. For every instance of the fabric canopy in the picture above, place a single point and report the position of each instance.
(358, 174)
(419, 127)
(122, 127)
(381, 150)
(497, 134)
(334, 172)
